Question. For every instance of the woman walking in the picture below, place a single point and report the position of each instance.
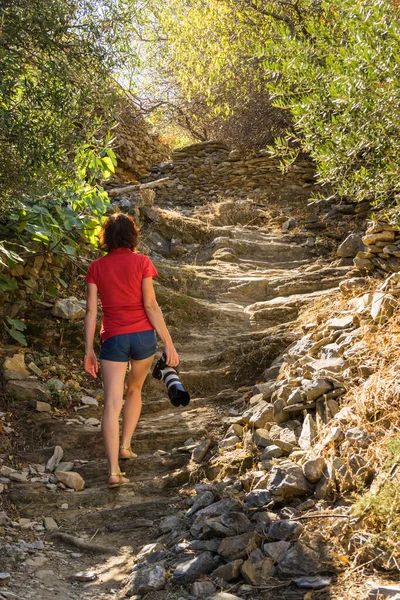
(131, 316)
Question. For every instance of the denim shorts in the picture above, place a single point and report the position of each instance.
(122, 347)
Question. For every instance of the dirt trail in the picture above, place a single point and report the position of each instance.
(242, 284)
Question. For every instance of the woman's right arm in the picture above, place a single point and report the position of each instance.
(156, 318)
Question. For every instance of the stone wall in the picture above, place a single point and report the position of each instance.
(137, 146)
(212, 169)
(381, 253)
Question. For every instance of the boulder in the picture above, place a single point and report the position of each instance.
(201, 589)
(262, 414)
(147, 579)
(201, 450)
(71, 479)
(258, 498)
(350, 246)
(261, 438)
(239, 546)
(282, 530)
(276, 550)
(257, 570)
(236, 521)
(287, 481)
(16, 364)
(190, 570)
(301, 559)
(228, 572)
(382, 307)
(313, 469)
(42, 406)
(69, 308)
(58, 453)
(28, 389)
(308, 433)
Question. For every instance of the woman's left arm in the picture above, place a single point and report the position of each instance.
(91, 365)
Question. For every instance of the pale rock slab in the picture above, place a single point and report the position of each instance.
(52, 463)
(308, 433)
(71, 479)
(69, 308)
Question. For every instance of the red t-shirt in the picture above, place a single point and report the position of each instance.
(118, 277)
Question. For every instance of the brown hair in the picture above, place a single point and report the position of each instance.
(119, 231)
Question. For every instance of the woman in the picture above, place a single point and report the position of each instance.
(123, 279)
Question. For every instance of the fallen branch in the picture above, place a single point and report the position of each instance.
(81, 544)
(137, 187)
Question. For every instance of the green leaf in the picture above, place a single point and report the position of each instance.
(16, 324)
(51, 289)
(62, 282)
(16, 335)
(7, 285)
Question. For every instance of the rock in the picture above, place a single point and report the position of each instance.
(3, 517)
(262, 414)
(171, 522)
(4, 577)
(316, 388)
(282, 530)
(42, 406)
(383, 236)
(257, 571)
(71, 479)
(350, 246)
(200, 502)
(203, 588)
(55, 384)
(350, 285)
(89, 401)
(225, 596)
(238, 546)
(265, 389)
(51, 464)
(276, 550)
(312, 583)
(190, 570)
(19, 477)
(301, 559)
(92, 421)
(382, 307)
(35, 369)
(258, 498)
(313, 469)
(308, 433)
(297, 396)
(201, 450)
(261, 438)
(358, 437)
(380, 591)
(84, 576)
(214, 510)
(148, 579)
(340, 323)
(6, 471)
(16, 363)
(28, 389)
(270, 452)
(50, 524)
(65, 466)
(236, 521)
(69, 308)
(287, 481)
(279, 414)
(150, 549)
(228, 572)
(229, 442)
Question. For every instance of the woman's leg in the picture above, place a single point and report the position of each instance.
(133, 400)
(113, 374)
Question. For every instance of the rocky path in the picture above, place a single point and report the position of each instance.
(230, 294)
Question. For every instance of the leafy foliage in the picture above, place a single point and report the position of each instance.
(334, 66)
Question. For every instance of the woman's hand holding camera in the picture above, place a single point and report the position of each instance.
(172, 356)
